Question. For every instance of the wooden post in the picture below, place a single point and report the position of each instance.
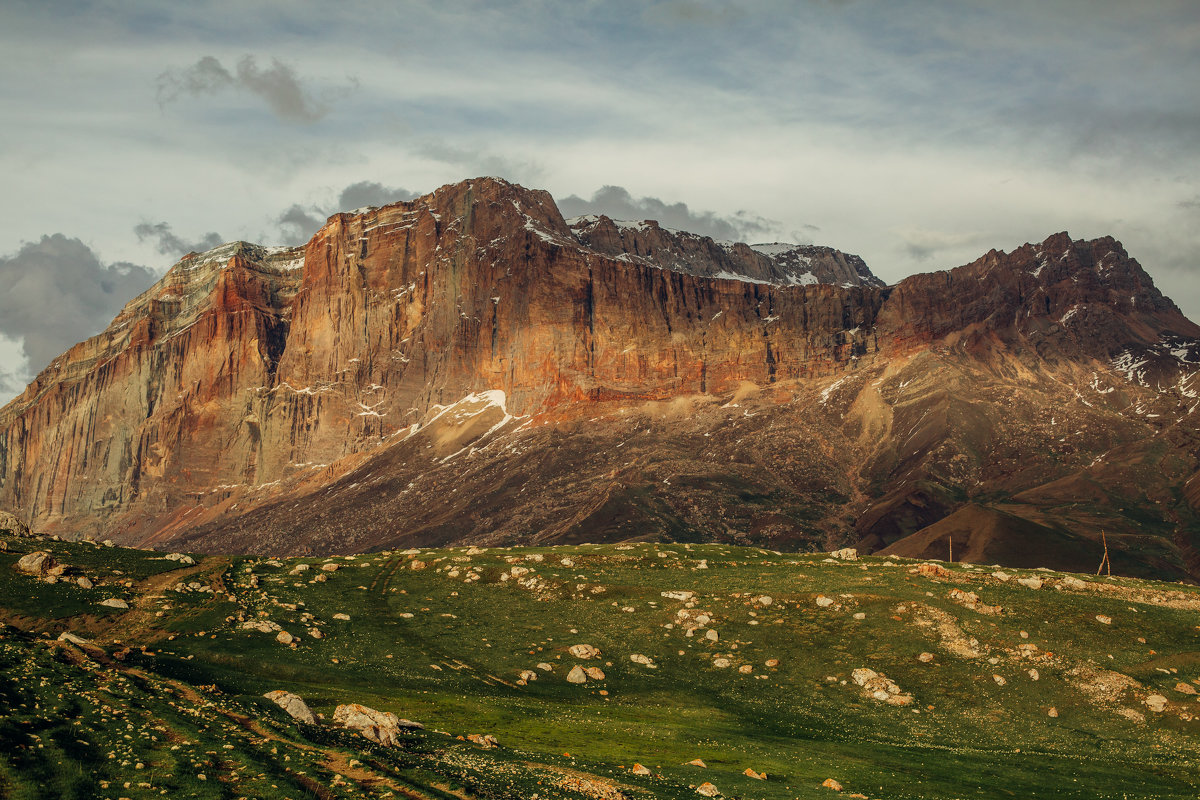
(1104, 562)
(951, 549)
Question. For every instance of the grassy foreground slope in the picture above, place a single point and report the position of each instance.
(987, 684)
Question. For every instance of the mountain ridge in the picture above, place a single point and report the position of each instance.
(286, 377)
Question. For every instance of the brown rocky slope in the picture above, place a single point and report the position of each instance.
(467, 367)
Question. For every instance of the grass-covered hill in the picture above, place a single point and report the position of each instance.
(879, 678)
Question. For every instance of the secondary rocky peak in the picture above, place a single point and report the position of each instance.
(647, 242)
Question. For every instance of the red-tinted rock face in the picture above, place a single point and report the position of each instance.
(249, 373)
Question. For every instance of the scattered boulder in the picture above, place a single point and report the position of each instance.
(545, 666)
(1031, 582)
(331, 567)
(1000, 680)
(1053, 712)
(73, 639)
(260, 625)
(283, 637)
(697, 762)
(595, 673)
(486, 741)
(880, 687)
(381, 727)
(1103, 620)
(114, 602)
(645, 661)
(183, 559)
(11, 526)
(1156, 703)
(1184, 687)
(823, 601)
(83, 582)
(638, 769)
(931, 570)
(925, 658)
(341, 616)
(711, 635)
(38, 563)
(678, 595)
(416, 564)
(758, 776)
(293, 705)
(706, 789)
(296, 570)
(583, 651)
(830, 783)
(1072, 583)
(576, 675)
(846, 554)
(527, 675)
(721, 663)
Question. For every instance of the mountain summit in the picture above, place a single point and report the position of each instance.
(469, 367)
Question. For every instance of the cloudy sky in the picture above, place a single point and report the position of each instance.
(916, 134)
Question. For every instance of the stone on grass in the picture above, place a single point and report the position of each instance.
(382, 727)
(706, 789)
(37, 563)
(114, 602)
(1156, 703)
(638, 769)
(576, 675)
(292, 704)
(583, 651)
(1031, 582)
(830, 783)
(846, 554)
(758, 776)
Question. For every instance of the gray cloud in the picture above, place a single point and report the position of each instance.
(298, 222)
(56, 292)
(922, 245)
(370, 193)
(1192, 204)
(278, 85)
(169, 244)
(616, 202)
(479, 161)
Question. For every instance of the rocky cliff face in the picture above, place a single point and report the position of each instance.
(469, 366)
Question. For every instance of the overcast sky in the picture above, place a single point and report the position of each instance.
(916, 134)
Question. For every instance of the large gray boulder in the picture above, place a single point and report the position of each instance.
(38, 563)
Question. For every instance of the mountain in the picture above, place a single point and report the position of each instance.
(469, 367)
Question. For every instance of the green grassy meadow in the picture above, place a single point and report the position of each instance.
(167, 701)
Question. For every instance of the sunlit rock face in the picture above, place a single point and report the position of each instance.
(468, 366)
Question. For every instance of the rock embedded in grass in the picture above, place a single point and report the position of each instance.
(292, 704)
(38, 563)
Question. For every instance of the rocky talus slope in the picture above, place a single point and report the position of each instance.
(469, 367)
